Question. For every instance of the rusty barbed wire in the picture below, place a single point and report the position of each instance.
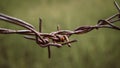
(56, 38)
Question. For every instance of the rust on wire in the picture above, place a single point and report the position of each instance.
(56, 38)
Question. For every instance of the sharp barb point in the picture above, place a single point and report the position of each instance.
(117, 6)
(49, 52)
(40, 25)
(58, 27)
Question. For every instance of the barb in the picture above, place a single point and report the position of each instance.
(117, 6)
(56, 38)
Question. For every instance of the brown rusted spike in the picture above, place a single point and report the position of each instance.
(40, 30)
(117, 6)
(29, 37)
(67, 40)
(40, 25)
(49, 52)
(112, 17)
(58, 27)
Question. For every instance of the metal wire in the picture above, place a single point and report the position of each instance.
(56, 38)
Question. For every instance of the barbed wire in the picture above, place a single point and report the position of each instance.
(56, 38)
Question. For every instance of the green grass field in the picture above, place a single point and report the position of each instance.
(96, 49)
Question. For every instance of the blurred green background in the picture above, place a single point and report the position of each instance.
(96, 49)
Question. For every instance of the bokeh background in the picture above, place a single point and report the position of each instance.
(96, 49)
